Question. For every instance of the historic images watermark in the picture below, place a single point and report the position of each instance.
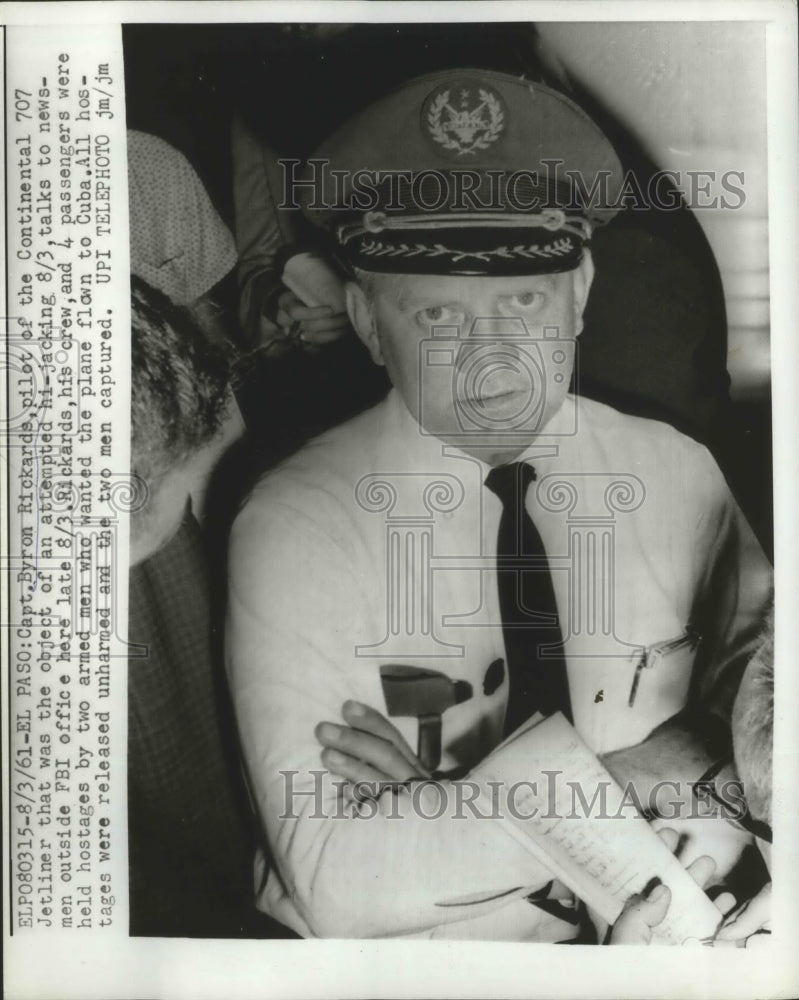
(541, 799)
(322, 188)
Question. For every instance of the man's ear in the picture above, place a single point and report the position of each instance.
(359, 309)
(583, 278)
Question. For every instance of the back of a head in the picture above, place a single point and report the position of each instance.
(753, 726)
(180, 386)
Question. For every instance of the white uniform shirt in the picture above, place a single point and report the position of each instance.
(335, 561)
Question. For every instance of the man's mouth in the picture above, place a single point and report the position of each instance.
(485, 398)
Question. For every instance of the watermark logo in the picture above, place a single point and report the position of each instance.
(411, 504)
(498, 380)
(550, 798)
(459, 132)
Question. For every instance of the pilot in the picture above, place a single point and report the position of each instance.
(481, 548)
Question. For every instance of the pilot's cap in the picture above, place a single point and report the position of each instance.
(464, 172)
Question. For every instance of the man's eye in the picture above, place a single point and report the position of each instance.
(525, 300)
(434, 315)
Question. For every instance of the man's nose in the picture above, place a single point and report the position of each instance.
(492, 335)
(496, 328)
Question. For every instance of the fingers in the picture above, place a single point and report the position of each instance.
(288, 318)
(300, 313)
(314, 326)
(287, 300)
(294, 310)
(701, 870)
(653, 909)
(324, 325)
(315, 342)
(367, 781)
(640, 915)
(312, 317)
(628, 929)
(670, 838)
(283, 320)
(760, 939)
(724, 903)
(369, 720)
(379, 755)
(747, 919)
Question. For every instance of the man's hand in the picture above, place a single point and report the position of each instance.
(672, 753)
(749, 925)
(367, 749)
(312, 326)
(642, 914)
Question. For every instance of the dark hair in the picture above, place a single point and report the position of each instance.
(180, 383)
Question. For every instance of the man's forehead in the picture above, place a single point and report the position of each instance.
(408, 290)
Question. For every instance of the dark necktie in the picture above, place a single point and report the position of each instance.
(530, 626)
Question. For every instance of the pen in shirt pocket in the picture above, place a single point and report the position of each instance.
(652, 655)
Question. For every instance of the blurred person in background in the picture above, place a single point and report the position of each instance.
(178, 243)
(191, 832)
